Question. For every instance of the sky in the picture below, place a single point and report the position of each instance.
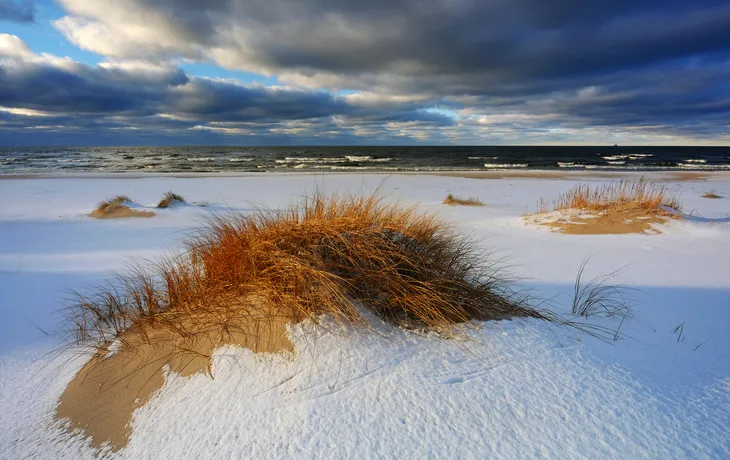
(377, 72)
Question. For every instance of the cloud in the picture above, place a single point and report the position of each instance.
(442, 47)
(442, 71)
(55, 94)
(12, 46)
(17, 11)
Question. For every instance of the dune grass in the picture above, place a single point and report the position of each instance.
(647, 195)
(327, 255)
(599, 296)
(452, 200)
(118, 207)
(112, 204)
(170, 199)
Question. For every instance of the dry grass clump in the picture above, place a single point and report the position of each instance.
(452, 200)
(117, 207)
(170, 199)
(113, 203)
(712, 195)
(625, 206)
(326, 256)
(644, 194)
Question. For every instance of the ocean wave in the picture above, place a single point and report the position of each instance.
(201, 159)
(343, 159)
(628, 156)
(80, 161)
(334, 167)
(239, 160)
(362, 168)
(505, 166)
(702, 167)
(695, 161)
(482, 158)
(610, 165)
(360, 157)
(570, 164)
(607, 167)
(312, 160)
(363, 159)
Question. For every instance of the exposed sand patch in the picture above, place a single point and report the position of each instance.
(681, 176)
(626, 206)
(628, 218)
(102, 397)
(120, 212)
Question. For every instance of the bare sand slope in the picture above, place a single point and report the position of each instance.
(624, 219)
(102, 397)
(120, 212)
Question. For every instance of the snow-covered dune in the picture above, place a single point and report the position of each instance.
(517, 389)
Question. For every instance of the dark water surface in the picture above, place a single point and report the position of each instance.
(262, 159)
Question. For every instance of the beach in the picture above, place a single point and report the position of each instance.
(522, 388)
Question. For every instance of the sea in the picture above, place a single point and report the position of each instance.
(45, 160)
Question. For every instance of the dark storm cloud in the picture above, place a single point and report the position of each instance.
(81, 89)
(44, 94)
(17, 10)
(668, 94)
(52, 89)
(443, 47)
(223, 101)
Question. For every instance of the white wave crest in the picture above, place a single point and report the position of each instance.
(504, 166)
(359, 157)
(703, 167)
(202, 159)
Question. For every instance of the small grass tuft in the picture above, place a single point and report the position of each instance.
(645, 194)
(598, 297)
(679, 331)
(452, 200)
(112, 204)
(170, 199)
(118, 207)
(712, 195)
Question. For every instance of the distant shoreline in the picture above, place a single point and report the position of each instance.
(501, 174)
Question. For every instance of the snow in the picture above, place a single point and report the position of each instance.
(517, 389)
